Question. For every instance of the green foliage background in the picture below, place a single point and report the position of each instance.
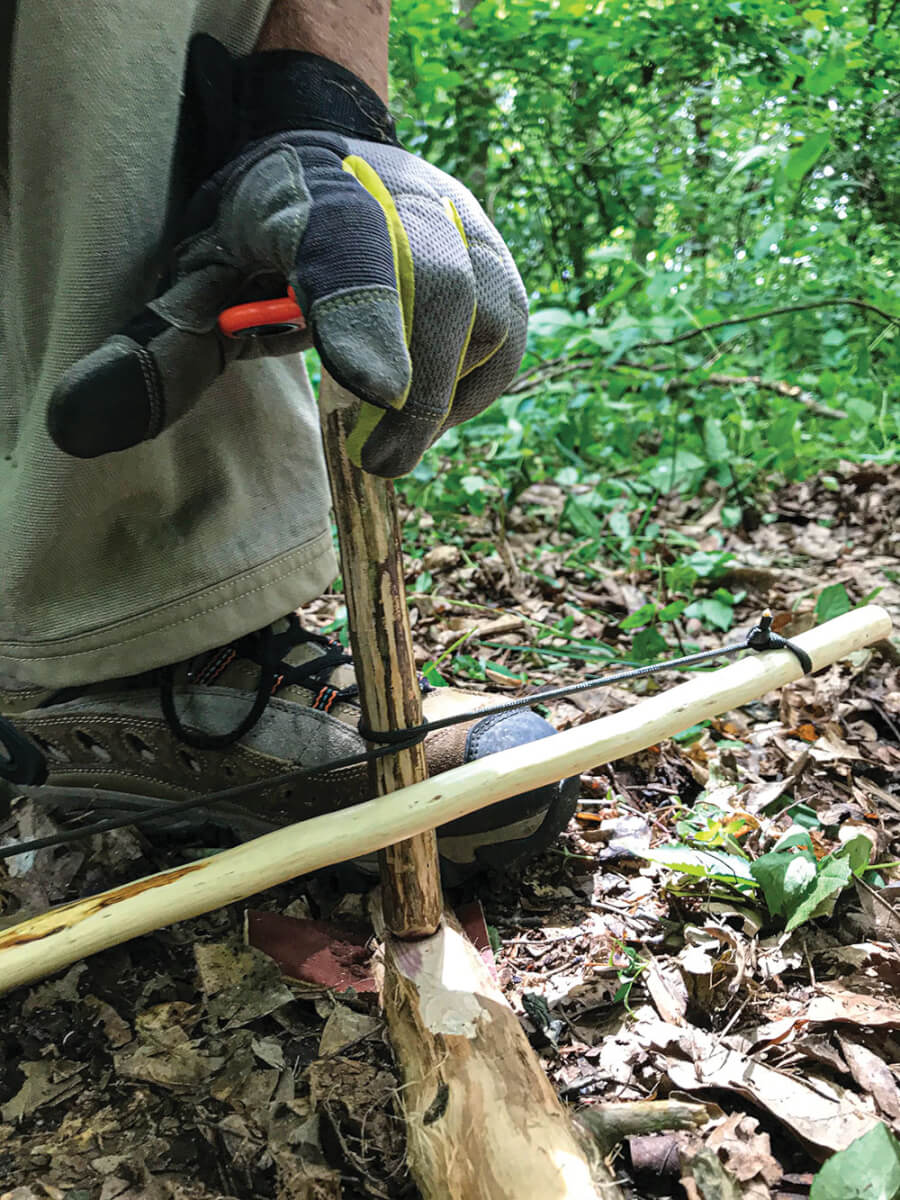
(658, 167)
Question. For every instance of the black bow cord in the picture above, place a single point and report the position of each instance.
(760, 638)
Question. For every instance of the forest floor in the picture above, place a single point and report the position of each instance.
(184, 1066)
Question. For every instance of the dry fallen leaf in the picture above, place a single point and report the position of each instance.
(834, 1003)
(46, 1082)
(746, 1152)
(667, 989)
(704, 1178)
(241, 983)
(873, 1075)
(822, 1114)
(343, 1028)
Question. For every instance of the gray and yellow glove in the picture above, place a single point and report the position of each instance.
(410, 295)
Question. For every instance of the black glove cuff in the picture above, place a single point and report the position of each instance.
(280, 90)
(230, 102)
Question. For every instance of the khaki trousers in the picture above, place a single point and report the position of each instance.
(119, 564)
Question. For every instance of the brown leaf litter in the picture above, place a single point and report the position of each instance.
(183, 1066)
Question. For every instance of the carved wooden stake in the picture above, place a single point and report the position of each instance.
(372, 566)
(482, 1120)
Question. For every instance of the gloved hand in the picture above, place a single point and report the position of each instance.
(410, 295)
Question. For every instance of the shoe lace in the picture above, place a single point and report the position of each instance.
(269, 650)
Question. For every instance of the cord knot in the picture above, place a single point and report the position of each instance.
(763, 637)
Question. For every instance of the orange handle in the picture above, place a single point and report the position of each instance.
(263, 317)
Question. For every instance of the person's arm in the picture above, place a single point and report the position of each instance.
(353, 33)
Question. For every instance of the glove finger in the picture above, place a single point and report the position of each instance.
(489, 379)
(441, 326)
(351, 261)
(130, 388)
(501, 316)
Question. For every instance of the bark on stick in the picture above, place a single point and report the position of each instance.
(372, 565)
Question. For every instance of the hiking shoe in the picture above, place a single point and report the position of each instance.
(249, 712)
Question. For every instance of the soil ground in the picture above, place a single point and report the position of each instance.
(182, 1065)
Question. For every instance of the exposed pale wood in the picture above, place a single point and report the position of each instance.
(63, 935)
(372, 567)
(482, 1120)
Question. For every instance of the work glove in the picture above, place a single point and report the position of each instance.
(410, 296)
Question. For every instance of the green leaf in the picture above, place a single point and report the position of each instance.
(828, 74)
(681, 576)
(672, 611)
(619, 524)
(623, 992)
(857, 852)
(549, 321)
(467, 664)
(816, 17)
(832, 877)
(793, 841)
(832, 601)
(804, 815)
(704, 864)
(472, 484)
(640, 616)
(861, 410)
(782, 431)
(712, 611)
(495, 668)
(715, 441)
(798, 887)
(770, 236)
(582, 518)
(869, 1169)
(648, 645)
(784, 879)
(749, 156)
(691, 734)
(805, 156)
(707, 565)
(433, 675)
(665, 478)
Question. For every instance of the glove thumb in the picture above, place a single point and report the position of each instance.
(133, 386)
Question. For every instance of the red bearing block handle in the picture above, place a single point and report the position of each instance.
(263, 318)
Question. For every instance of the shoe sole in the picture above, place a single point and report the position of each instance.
(472, 855)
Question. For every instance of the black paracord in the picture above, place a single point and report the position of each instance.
(760, 638)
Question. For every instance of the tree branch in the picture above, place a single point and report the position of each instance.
(558, 367)
(772, 312)
(778, 386)
(554, 367)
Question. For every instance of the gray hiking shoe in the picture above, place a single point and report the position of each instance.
(249, 712)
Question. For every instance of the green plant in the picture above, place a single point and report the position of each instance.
(702, 201)
(868, 1169)
(797, 886)
(628, 966)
